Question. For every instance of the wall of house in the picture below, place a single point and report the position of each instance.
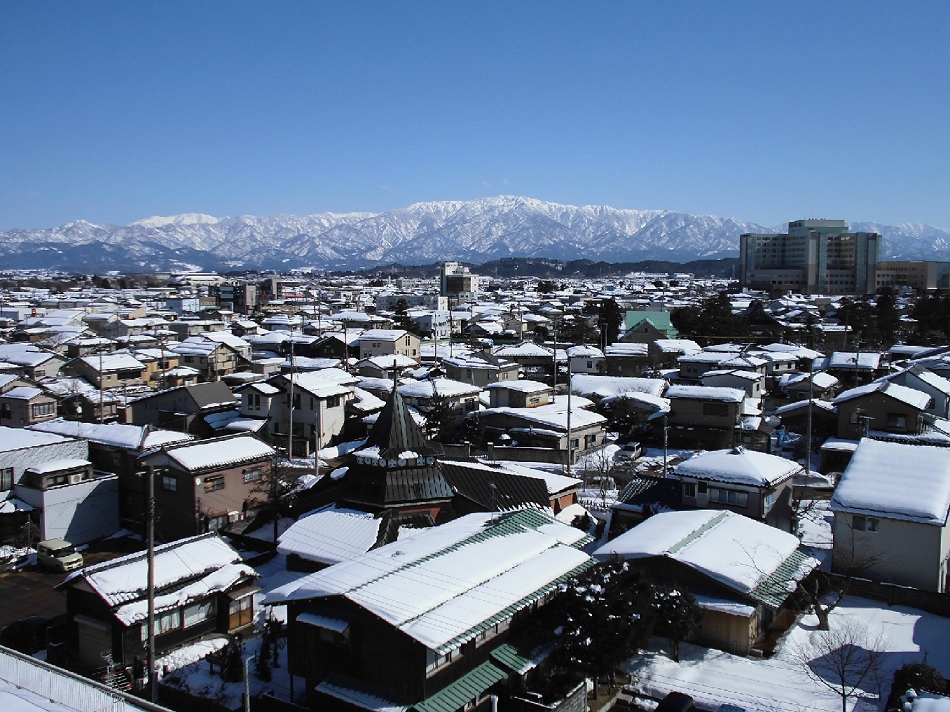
(705, 413)
(731, 633)
(883, 413)
(78, 513)
(900, 552)
(22, 459)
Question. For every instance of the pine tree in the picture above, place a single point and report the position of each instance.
(678, 617)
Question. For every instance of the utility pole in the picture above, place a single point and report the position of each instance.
(150, 534)
(318, 438)
(570, 446)
(290, 424)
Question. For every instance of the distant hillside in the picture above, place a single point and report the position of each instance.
(476, 231)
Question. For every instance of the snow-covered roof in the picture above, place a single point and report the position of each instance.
(440, 585)
(330, 535)
(720, 393)
(526, 349)
(863, 361)
(734, 550)
(584, 351)
(18, 438)
(113, 362)
(910, 396)
(115, 434)
(382, 335)
(123, 583)
(220, 452)
(896, 480)
(66, 463)
(619, 348)
(739, 466)
(554, 415)
(608, 386)
(522, 386)
(683, 346)
(437, 387)
(23, 393)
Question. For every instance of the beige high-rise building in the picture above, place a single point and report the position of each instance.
(813, 257)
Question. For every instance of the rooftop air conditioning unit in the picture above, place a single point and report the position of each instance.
(75, 479)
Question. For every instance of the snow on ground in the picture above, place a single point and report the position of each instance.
(712, 677)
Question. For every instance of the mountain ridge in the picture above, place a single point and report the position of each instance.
(474, 231)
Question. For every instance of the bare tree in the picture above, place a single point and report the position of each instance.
(846, 659)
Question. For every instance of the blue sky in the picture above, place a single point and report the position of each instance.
(115, 111)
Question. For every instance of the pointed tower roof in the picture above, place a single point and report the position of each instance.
(397, 467)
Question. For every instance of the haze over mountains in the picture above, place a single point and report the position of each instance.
(472, 231)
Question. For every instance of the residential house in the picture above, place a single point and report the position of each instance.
(536, 361)
(855, 368)
(209, 485)
(883, 406)
(645, 327)
(626, 359)
(385, 342)
(319, 405)
(72, 500)
(183, 408)
(117, 447)
(934, 385)
(546, 426)
(704, 416)
(586, 360)
(519, 394)
(112, 370)
(31, 362)
(201, 588)
(21, 449)
(752, 382)
(426, 631)
(741, 572)
(458, 397)
(211, 358)
(754, 484)
(665, 353)
(479, 368)
(496, 486)
(25, 405)
(891, 510)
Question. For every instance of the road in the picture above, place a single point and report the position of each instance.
(31, 592)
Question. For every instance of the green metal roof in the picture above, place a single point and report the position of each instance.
(467, 688)
(775, 588)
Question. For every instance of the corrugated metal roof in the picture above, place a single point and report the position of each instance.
(775, 588)
(467, 688)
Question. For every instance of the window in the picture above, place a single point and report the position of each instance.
(703, 487)
(253, 474)
(6, 479)
(724, 496)
(164, 623)
(717, 410)
(769, 501)
(240, 612)
(212, 484)
(334, 401)
(896, 420)
(41, 409)
(169, 483)
(6, 411)
(689, 489)
(865, 524)
(199, 612)
(254, 401)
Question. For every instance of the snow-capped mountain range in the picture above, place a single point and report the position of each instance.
(473, 231)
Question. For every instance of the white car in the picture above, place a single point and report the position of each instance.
(59, 555)
(629, 451)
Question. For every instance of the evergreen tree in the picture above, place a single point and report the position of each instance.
(610, 319)
(606, 616)
(678, 617)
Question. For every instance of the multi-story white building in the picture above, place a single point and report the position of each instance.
(813, 257)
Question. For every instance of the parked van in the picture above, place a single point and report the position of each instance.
(629, 451)
(59, 555)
